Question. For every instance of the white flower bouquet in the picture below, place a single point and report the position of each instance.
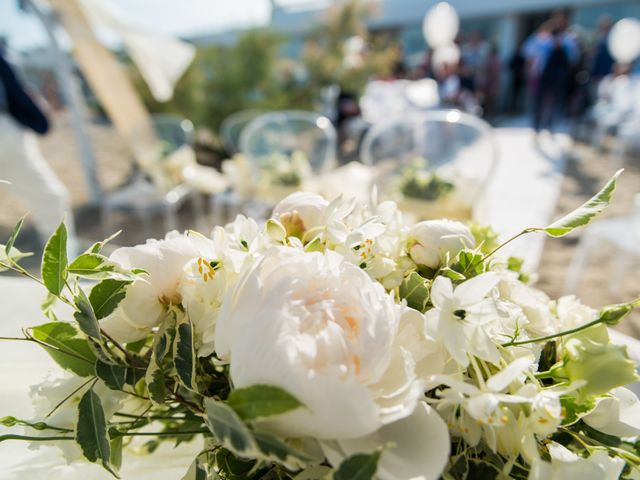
(334, 342)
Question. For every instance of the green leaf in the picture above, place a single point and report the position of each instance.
(228, 428)
(14, 256)
(272, 448)
(54, 261)
(317, 472)
(98, 267)
(197, 470)
(585, 213)
(71, 349)
(361, 466)
(573, 410)
(230, 467)
(261, 401)
(98, 246)
(415, 291)
(91, 430)
(114, 376)
(115, 458)
(106, 295)
(184, 355)
(155, 380)
(85, 316)
(14, 235)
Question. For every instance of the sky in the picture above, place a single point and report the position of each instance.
(172, 16)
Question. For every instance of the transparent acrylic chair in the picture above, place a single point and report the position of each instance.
(232, 126)
(620, 233)
(286, 149)
(434, 164)
(159, 184)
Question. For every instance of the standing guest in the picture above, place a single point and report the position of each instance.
(517, 67)
(21, 162)
(492, 83)
(602, 61)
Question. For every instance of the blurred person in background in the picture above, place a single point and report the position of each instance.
(22, 163)
(492, 69)
(602, 61)
(518, 70)
(551, 54)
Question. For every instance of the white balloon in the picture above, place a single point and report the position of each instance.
(447, 54)
(440, 25)
(624, 40)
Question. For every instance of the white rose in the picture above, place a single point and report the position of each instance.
(319, 327)
(147, 298)
(301, 211)
(51, 393)
(573, 313)
(431, 240)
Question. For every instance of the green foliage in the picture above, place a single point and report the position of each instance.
(361, 466)
(13, 236)
(106, 295)
(54, 261)
(85, 316)
(228, 428)
(98, 267)
(91, 430)
(261, 401)
(10, 256)
(415, 291)
(184, 355)
(114, 376)
(586, 212)
(67, 346)
(197, 471)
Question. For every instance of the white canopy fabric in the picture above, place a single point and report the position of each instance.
(160, 58)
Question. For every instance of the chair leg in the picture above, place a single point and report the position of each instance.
(170, 218)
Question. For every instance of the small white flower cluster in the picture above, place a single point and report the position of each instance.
(403, 338)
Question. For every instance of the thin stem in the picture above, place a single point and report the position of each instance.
(51, 347)
(149, 417)
(71, 395)
(162, 434)
(523, 232)
(22, 271)
(32, 439)
(554, 335)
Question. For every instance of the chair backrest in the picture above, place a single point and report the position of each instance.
(232, 126)
(173, 131)
(287, 132)
(450, 143)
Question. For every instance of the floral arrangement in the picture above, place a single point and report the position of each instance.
(333, 342)
(419, 183)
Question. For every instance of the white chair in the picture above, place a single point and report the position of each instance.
(232, 126)
(304, 142)
(459, 148)
(159, 186)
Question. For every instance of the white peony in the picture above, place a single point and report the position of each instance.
(567, 465)
(301, 211)
(617, 414)
(317, 326)
(430, 241)
(50, 394)
(147, 298)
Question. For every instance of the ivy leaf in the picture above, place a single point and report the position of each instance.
(54, 261)
(98, 267)
(106, 295)
(316, 472)
(71, 349)
(114, 376)
(415, 291)
(361, 466)
(13, 236)
(91, 430)
(115, 446)
(184, 355)
(228, 428)
(272, 448)
(261, 401)
(85, 316)
(585, 213)
(154, 378)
